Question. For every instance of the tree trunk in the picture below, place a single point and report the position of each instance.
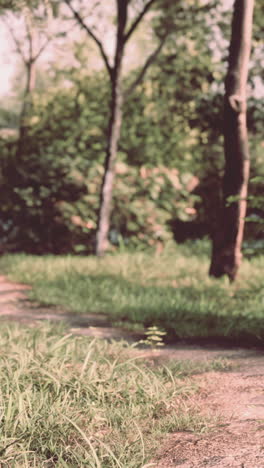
(116, 104)
(115, 122)
(109, 168)
(27, 100)
(30, 64)
(226, 252)
(26, 108)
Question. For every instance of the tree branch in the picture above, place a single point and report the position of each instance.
(136, 22)
(93, 36)
(41, 49)
(30, 37)
(150, 60)
(17, 43)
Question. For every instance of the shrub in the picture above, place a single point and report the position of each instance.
(50, 204)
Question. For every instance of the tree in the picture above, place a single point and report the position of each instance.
(30, 43)
(124, 31)
(227, 243)
(32, 26)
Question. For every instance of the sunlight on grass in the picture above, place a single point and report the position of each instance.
(74, 401)
(171, 290)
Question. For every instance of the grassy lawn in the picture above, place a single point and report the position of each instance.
(76, 402)
(171, 290)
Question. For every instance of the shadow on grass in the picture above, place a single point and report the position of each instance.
(201, 314)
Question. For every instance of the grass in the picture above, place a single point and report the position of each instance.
(171, 290)
(75, 402)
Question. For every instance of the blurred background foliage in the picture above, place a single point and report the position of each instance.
(170, 154)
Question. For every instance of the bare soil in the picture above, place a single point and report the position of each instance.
(234, 400)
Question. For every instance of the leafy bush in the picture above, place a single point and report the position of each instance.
(32, 187)
(50, 193)
(146, 200)
(50, 204)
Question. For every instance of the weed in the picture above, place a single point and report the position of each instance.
(75, 401)
(154, 338)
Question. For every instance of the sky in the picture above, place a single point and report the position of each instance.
(7, 62)
(10, 61)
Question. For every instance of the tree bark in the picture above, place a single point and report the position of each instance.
(30, 65)
(115, 122)
(114, 128)
(27, 100)
(116, 104)
(227, 243)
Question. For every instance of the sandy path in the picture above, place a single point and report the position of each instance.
(237, 440)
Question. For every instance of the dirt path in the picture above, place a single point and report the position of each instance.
(14, 305)
(237, 440)
(234, 400)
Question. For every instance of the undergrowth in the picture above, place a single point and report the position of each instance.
(75, 401)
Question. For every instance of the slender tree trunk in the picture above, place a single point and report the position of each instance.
(30, 64)
(226, 252)
(116, 104)
(26, 107)
(27, 100)
(109, 167)
(114, 128)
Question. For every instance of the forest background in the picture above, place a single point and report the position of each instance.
(170, 157)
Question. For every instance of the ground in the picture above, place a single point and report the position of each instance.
(237, 438)
(234, 400)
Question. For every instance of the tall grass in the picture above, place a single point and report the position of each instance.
(75, 402)
(171, 290)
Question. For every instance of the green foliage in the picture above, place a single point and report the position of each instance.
(146, 200)
(32, 188)
(73, 401)
(72, 124)
(50, 205)
(8, 119)
(172, 130)
(50, 192)
(154, 337)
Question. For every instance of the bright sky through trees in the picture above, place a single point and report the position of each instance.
(10, 62)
